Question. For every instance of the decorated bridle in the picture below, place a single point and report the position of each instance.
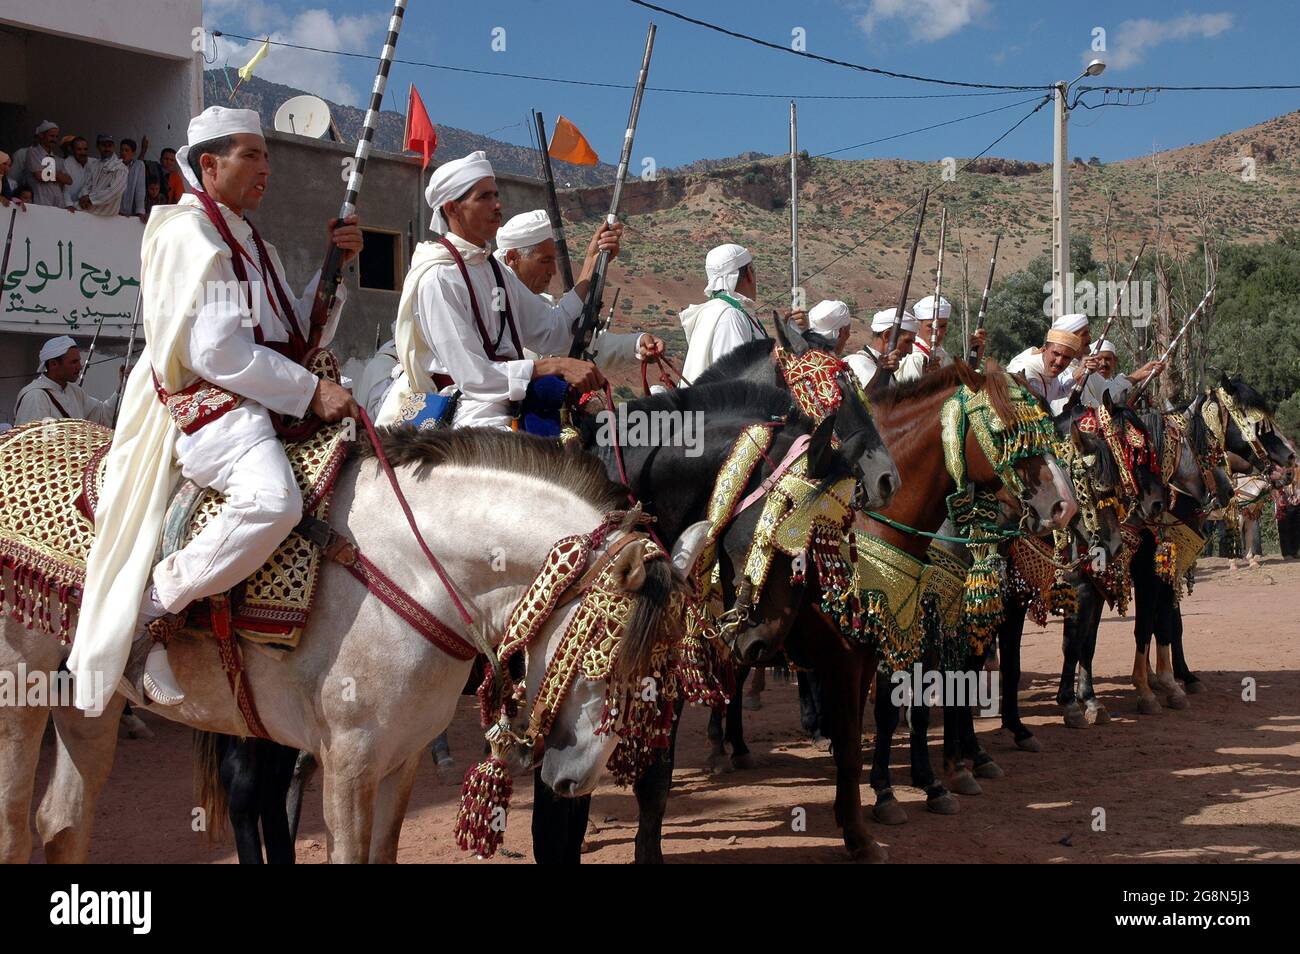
(1219, 407)
(589, 646)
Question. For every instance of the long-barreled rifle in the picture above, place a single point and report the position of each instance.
(1196, 312)
(90, 353)
(130, 352)
(587, 321)
(331, 273)
(938, 288)
(885, 373)
(973, 354)
(1110, 319)
(553, 206)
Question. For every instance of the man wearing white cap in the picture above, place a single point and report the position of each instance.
(873, 357)
(43, 167)
(831, 320)
(1044, 368)
(928, 352)
(1104, 362)
(526, 245)
(105, 181)
(463, 321)
(223, 340)
(724, 321)
(55, 393)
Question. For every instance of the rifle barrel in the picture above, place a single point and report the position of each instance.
(553, 205)
(973, 354)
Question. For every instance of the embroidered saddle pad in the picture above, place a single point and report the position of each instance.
(51, 473)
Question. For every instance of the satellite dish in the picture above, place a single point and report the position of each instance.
(303, 116)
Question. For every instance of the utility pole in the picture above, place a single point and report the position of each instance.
(1061, 190)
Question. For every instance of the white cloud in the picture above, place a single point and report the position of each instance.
(926, 20)
(318, 73)
(1130, 41)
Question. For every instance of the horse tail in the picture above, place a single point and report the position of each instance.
(209, 749)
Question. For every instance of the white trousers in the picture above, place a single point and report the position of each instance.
(262, 505)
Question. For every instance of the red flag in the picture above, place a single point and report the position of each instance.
(570, 145)
(420, 136)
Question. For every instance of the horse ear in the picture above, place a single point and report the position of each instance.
(782, 338)
(629, 567)
(1225, 382)
(688, 547)
(1076, 438)
(820, 452)
(1106, 402)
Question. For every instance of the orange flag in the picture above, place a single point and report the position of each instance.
(569, 145)
(419, 136)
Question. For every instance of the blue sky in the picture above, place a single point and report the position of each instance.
(992, 41)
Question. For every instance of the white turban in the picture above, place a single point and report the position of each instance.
(884, 320)
(1071, 323)
(1103, 347)
(215, 122)
(722, 265)
(56, 348)
(525, 230)
(451, 180)
(46, 127)
(924, 309)
(828, 317)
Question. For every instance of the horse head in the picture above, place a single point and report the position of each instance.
(1249, 430)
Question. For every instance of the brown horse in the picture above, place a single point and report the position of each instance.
(908, 418)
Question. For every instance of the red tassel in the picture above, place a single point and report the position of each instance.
(484, 801)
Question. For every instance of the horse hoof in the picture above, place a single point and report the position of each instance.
(943, 804)
(1176, 700)
(1029, 743)
(989, 769)
(746, 761)
(1193, 687)
(1148, 704)
(887, 811)
(1074, 717)
(872, 853)
(1096, 713)
(963, 783)
(721, 764)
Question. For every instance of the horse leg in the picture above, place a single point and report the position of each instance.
(391, 798)
(887, 810)
(243, 773)
(303, 770)
(741, 758)
(958, 745)
(652, 798)
(1009, 635)
(83, 760)
(1066, 696)
(559, 825)
(845, 674)
(275, 776)
(1175, 697)
(809, 716)
(719, 761)
(349, 795)
(1191, 682)
(21, 731)
(1143, 572)
(937, 798)
(1090, 608)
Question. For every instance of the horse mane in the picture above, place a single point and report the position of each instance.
(569, 468)
(724, 394)
(733, 363)
(1246, 397)
(993, 382)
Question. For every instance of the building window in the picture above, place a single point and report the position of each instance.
(381, 260)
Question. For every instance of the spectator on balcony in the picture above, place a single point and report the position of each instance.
(133, 198)
(8, 188)
(76, 165)
(43, 170)
(173, 185)
(101, 192)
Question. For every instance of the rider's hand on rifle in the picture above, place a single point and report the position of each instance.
(332, 402)
(890, 361)
(648, 347)
(799, 317)
(580, 374)
(347, 236)
(1144, 372)
(977, 342)
(606, 239)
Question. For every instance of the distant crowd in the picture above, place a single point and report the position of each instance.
(59, 171)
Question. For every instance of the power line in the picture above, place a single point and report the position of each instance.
(593, 83)
(1180, 89)
(826, 59)
(910, 132)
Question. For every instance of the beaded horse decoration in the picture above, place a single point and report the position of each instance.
(973, 511)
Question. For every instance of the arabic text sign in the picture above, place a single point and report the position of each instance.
(69, 271)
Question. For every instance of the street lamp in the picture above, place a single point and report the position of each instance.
(1061, 190)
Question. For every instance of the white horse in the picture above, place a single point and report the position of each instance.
(363, 692)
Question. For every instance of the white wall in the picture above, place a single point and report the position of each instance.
(160, 27)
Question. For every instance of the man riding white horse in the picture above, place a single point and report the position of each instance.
(213, 370)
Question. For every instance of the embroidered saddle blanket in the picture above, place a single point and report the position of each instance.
(51, 474)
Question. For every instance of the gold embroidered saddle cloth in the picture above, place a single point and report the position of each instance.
(51, 473)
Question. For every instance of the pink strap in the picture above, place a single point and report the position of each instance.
(797, 448)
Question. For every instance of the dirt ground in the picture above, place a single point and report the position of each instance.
(1218, 782)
